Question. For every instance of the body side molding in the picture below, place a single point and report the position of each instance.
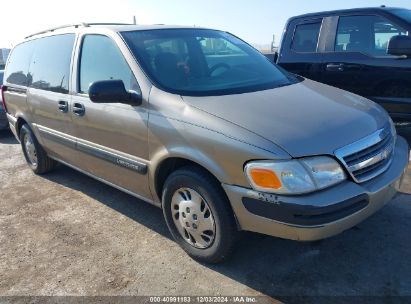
(90, 149)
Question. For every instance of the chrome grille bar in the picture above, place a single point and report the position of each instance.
(370, 156)
(367, 153)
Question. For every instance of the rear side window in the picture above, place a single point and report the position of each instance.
(101, 59)
(366, 34)
(17, 70)
(306, 37)
(1, 78)
(50, 68)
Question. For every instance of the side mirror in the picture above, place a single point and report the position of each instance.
(399, 46)
(112, 91)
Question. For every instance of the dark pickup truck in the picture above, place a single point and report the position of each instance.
(366, 51)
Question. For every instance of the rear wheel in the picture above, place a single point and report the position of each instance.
(35, 155)
(199, 215)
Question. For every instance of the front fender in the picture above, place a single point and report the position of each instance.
(178, 130)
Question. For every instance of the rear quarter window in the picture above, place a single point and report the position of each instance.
(17, 69)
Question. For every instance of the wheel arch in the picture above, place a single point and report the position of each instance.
(19, 123)
(168, 163)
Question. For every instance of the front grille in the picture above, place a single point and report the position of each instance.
(370, 156)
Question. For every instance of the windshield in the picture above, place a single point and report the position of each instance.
(199, 62)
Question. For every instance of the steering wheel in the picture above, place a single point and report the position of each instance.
(217, 66)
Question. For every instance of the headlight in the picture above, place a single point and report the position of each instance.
(294, 176)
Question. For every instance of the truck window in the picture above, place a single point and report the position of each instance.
(366, 34)
(306, 37)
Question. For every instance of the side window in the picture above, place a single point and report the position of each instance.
(306, 37)
(101, 59)
(384, 30)
(366, 34)
(50, 68)
(17, 70)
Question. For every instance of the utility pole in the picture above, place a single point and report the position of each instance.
(273, 45)
(134, 20)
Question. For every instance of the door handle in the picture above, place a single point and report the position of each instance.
(79, 109)
(63, 106)
(335, 67)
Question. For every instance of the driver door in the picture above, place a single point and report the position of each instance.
(112, 137)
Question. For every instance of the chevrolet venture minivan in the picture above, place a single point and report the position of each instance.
(202, 125)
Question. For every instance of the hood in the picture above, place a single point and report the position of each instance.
(304, 119)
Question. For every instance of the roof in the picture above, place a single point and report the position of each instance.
(116, 27)
(132, 27)
(352, 10)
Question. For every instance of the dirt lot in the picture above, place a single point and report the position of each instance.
(67, 234)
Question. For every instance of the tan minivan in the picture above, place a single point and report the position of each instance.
(202, 125)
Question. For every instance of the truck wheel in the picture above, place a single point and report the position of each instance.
(35, 155)
(199, 215)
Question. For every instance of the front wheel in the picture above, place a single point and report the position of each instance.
(199, 215)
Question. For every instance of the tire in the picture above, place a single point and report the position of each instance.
(197, 195)
(35, 155)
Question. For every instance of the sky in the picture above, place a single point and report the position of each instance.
(255, 21)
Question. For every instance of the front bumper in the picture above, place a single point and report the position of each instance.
(322, 214)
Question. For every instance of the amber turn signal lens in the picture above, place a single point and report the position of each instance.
(265, 178)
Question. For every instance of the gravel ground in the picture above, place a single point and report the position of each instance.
(66, 234)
